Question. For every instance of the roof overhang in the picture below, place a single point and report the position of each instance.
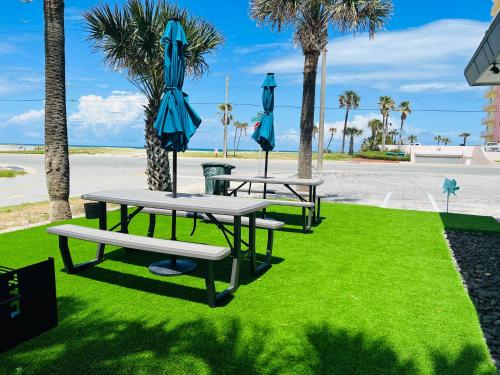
(478, 71)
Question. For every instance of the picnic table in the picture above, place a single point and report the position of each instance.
(141, 198)
(310, 200)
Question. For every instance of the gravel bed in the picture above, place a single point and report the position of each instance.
(477, 256)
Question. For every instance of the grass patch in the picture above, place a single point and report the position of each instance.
(8, 173)
(32, 213)
(381, 155)
(371, 291)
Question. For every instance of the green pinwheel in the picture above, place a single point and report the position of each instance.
(450, 187)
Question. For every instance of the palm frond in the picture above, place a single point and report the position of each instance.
(129, 38)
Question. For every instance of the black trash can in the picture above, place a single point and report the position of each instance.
(214, 187)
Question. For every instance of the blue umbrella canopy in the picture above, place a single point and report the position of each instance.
(177, 121)
(264, 133)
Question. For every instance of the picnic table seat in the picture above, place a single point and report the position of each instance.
(207, 253)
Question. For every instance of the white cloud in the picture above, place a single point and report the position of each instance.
(110, 115)
(359, 121)
(288, 136)
(435, 86)
(30, 116)
(435, 52)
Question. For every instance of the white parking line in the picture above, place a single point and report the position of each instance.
(433, 202)
(386, 200)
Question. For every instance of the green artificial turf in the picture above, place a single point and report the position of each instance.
(370, 291)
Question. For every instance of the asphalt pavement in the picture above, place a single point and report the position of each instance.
(404, 185)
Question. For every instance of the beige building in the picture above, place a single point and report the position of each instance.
(491, 121)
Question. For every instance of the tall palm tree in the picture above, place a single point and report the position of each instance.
(352, 132)
(226, 117)
(405, 110)
(243, 129)
(445, 140)
(310, 20)
(239, 127)
(464, 135)
(315, 131)
(412, 138)
(386, 105)
(348, 100)
(56, 131)
(438, 139)
(225, 121)
(129, 38)
(332, 132)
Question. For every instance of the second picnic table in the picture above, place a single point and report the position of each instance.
(312, 198)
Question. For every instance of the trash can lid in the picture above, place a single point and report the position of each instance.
(217, 164)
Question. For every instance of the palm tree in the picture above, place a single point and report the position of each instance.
(56, 131)
(310, 19)
(386, 105)
(374, 140)
(445, 140)
(352, 132)
(438, 139)
(225, 121)
(315, 131)
(405, 110)
(243, 126)
(129, 38)
(349, 99)
(392, 135)
(412, 139)
(239, 127)
(332, 132)
(464, 135)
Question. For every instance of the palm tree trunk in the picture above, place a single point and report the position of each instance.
(384, 131)
(465, 140)
(158, 168)
(401, 133)
(345, 127)
(351, 145)
(239, 140)
(234, 141)
(56, 131)
(307, 114)
(329, 142)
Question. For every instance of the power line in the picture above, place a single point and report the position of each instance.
(290, 106)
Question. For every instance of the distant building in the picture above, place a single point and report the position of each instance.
(491, 121)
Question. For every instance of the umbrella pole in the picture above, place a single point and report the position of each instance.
(265, 185)
(174, 175)
(173, 266)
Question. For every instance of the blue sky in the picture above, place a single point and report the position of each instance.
(419, 57)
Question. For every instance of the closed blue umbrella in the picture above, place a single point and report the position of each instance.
(264, 134)
(176, 123)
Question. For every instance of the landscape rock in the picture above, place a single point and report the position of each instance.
(477, 258)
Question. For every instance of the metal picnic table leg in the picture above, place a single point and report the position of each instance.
(173, 266)
(235, 269)
(103, 225)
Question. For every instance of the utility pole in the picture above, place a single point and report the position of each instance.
(321, 134)
(226, 118)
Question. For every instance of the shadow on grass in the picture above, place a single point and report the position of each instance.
(469, 223)
(293, 222)
(93, 342)
(164, 287)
